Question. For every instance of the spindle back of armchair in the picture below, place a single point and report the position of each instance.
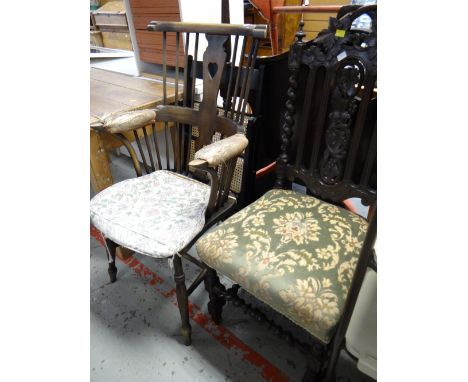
(183, 123)
(329, 138)
(181, 38)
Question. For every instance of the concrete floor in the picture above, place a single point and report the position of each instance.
(135, 326)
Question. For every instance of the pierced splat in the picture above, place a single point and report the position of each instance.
(212, 69)
(213, 66)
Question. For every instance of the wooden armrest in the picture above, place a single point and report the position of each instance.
(170, 113)
(221, 151)
(187, 115)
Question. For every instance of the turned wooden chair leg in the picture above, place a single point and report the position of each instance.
(111, 249)
(215, 305)
(182, 300)
(333, 354)
(316, 362)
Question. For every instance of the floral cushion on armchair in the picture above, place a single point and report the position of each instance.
(292, 251)
(156, 214)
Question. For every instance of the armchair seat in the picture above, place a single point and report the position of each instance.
(292, 251)
(156, 214)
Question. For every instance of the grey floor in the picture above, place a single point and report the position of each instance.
(135, 327)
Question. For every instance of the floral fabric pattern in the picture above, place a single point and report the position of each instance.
(292, 251)
(156, 214)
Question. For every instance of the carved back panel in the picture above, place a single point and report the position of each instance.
(329, 129)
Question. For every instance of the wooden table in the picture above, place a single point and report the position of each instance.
(113, 92)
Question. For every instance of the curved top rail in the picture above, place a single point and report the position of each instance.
(256, 31)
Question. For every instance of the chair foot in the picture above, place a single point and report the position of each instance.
(316, 363)
(215, 310)
(187, 335)
(182, 300)
(112, 269)
(216, 303)
(313, 372)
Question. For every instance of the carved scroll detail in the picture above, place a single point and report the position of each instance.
(349, 79)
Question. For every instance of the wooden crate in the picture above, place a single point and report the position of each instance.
(111, 14)
(95, 38)
(117, 40)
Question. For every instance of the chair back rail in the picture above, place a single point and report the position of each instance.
(329, 140)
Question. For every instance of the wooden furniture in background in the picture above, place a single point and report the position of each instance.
(95, 38)
(283, 18)
(265, 9)
(254, 14)
(110, 93)
(314, 22)
(150, 44)
(316, 18)
(111, 21)
(112, 14)
(287, 26)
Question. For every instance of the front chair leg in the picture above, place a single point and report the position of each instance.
(313, 372)
(215, 305)
(316, 363)
(182, 299)
(111, 249)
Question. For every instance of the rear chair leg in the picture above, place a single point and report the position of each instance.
(182, 300)
(215, 305)
(111, 249)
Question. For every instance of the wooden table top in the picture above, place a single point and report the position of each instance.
(113, 92)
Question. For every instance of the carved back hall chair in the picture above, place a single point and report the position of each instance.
(299, 252)
(162, 213)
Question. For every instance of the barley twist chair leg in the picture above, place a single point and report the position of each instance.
(112, 269)
(182, 300)
(216, 303)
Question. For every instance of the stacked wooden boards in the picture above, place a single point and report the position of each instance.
(150, 44)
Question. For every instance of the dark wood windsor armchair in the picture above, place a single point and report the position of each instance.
(300, 253)
(162, 213)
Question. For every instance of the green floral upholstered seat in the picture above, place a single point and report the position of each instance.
(292, 251)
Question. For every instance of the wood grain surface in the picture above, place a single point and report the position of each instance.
(112, 92)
